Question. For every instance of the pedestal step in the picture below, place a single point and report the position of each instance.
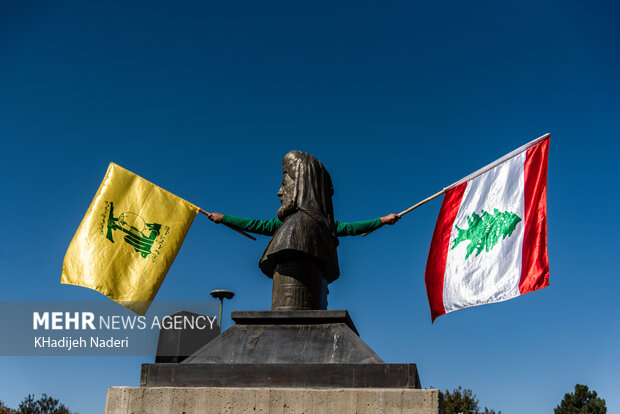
(311, 336)
(195, 400)
(281, 375)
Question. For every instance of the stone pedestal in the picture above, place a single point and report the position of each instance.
(300, 361)
(213, 400)
(281, 375)
(302, 336)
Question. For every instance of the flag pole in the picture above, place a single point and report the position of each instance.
(243, 233)
(413, 207)
(426, 200)
(498, 161)
(475, 174)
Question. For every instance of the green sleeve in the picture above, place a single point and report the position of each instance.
(357, 227)
(265, 227)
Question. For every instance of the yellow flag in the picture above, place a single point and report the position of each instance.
(128, 239)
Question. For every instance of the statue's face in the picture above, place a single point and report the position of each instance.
(287, 197)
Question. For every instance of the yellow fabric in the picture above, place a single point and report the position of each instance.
(128, 239)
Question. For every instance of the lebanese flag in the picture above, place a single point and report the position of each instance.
(490, 241)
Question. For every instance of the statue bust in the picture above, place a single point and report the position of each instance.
(301, 257)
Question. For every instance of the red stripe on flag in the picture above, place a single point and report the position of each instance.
(535, 262)
(438, 254)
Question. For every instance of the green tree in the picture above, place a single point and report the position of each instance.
(44, 405)
(6, 410)
(463, 401)
(582, 401)
(28, 405)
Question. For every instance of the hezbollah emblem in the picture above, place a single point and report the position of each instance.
(137, 232)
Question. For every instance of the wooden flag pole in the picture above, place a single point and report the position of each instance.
(243, 233)
(426, 200)
(413, 207)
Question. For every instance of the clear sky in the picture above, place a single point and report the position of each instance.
(397, 99)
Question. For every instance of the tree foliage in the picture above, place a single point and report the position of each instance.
(5, 410)
(463, 401)
(44, 405)
(582, 401)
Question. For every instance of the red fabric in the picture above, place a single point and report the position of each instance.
(535, 262)
(438, 254)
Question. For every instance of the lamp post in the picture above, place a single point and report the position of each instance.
(222, 294)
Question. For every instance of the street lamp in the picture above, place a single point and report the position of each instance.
(222, 294)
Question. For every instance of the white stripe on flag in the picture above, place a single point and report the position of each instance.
(487, 276)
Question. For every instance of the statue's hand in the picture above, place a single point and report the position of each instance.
(390, 219)
(215, 217)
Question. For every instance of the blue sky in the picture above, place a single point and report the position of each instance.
(397, 99)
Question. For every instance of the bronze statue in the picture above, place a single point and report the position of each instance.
(301, 257)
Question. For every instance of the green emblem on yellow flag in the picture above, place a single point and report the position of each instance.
(138, 233)
(128, 239)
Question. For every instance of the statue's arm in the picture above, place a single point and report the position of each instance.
(265, 227)
(361, 227)
(356, 227)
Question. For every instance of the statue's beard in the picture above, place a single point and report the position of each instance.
(286, 210)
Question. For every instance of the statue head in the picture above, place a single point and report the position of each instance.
(306, 185)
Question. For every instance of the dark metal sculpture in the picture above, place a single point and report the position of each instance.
(299, 343)
(301, 257)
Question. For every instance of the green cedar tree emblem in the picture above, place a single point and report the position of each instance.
(485, 231)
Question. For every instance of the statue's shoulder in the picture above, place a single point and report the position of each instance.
(296, 219)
